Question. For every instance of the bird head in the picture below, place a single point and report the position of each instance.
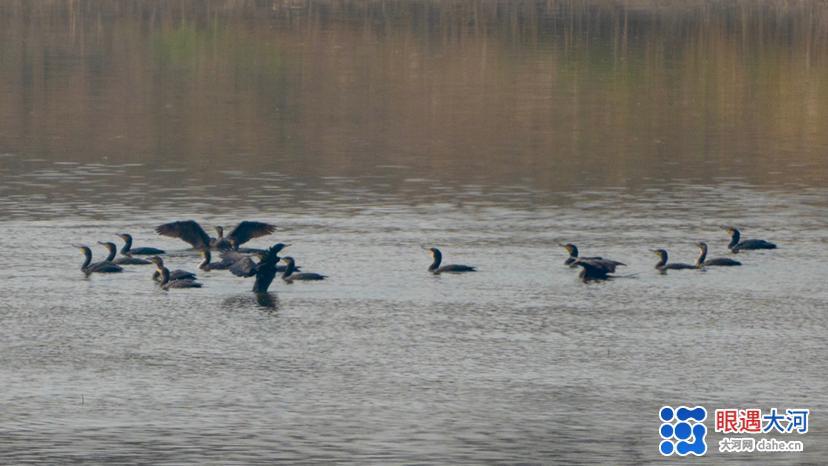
(570, 248)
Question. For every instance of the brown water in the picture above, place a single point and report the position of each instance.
(365, 130)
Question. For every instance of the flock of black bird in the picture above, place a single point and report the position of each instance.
(263, 264)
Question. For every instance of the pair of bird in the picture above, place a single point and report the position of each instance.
(701, 262)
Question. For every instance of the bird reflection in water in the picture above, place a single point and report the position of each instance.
(269, 301)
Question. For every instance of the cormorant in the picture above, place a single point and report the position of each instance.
(290, 275)
(191, 232)
(126, 260)
(264, 270)
(167, 283)
(98, 267)
(662, 264)
(174, 275)
(718, 261)
(596, 269)
(243, 265)
(573, 254)
(736, 245)
(451, 268)
(206, 265)
(128, 250)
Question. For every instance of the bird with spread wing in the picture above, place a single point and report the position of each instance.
(191, 232)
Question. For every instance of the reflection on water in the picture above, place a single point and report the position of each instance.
(236, 98)
(364, 130)
(269, 301)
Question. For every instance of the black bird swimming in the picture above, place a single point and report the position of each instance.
(207, 265)
(128, 250)
(573, 254)
(166, 282)
(451, 268)
(702, 260)
(191, 232)
(174, 275)
(290, 275)
(596, 269)
(736, 244)
(126, 260)
(98, 267)
(663, 266)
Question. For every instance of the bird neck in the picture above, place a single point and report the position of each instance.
(87, 259)
(702, 257)
(127, 245)
(438, 258)
(574, 251)
(165, 275)
(662, 260)
(735, 236)
(111, 256)
(289, 269)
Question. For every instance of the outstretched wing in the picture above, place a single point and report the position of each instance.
(608, 264)
(187, 230)
(247, 230)
(601, 266)
(245, 267)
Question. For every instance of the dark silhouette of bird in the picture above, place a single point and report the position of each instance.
(125, 260)
(703, 261)
(98, 267)
(663, 266)
(596, 269)
(128, 250)
(243, 265)
(264, 270)
(192, 233)
(573, 254)
(290, 275)
(174, 275)
(436, 269)
(207, 264)
(738, 244)
(166, 282)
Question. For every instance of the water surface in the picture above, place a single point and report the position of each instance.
(366, 130)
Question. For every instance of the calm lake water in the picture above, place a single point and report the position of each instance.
(366, 130)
